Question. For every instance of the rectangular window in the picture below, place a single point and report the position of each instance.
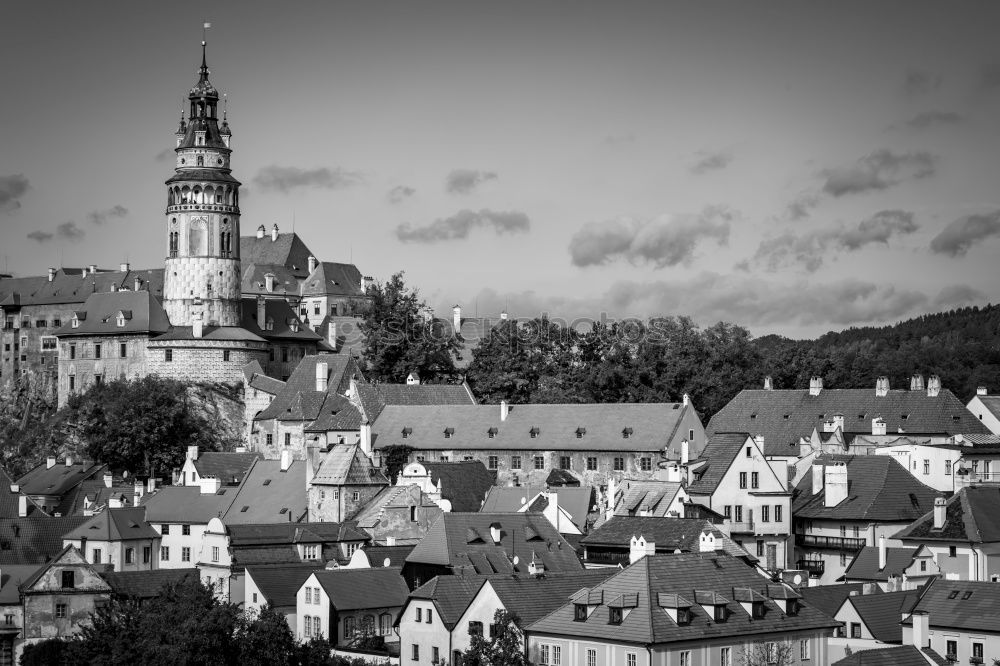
(630, 659)
(494, 462)
(539, 462)
(927, 467)
(947, 468)
(804, 652)
(546, 652)
(777, 513)
(122, 350)
(147, 554)
(185, 554)
(49, 343)
(738, 513)
(591, 463)
(168, 355)
(726, 656)
(760, 548)
(72, 352)
(98, 379)
(355, 496)
(420, 614)
(284, 354)
(68, 576)
(72, 383)
(855, 630)
(60, 611)
(591, 657)
(97, 350)
(269, 438)
(288, 439)
(765, 514)
(435, 653)
(165, 529)
(186, 530)
(755, 480)
(685, 657)
(429, 617)
(619, 464)
(564, 462)
(843, 559)
(215, 553)
(645, 464)
(415, 652)
(743, 480)
(515, 462)
(557, 655)
(40, 323)
(129, 555)
(977, 651)
(95, 556)
(951, 650)
(727, 511)
(225, 355)
(309, 595)
(164, 553)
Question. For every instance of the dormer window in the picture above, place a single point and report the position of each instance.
(614, 616)
(120, 320)
(534, 432)
(721, 613)
(757, 609)
(448, 432)
(491, 433)
(683, 616)
(580, 432)
(75, 323)
(269, 325)
(579, 612)
(626, 433)
(406, 432)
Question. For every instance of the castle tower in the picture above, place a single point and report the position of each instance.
(201, 282)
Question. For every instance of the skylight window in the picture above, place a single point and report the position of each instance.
(953, 594)
(967, 595)
(267, 482)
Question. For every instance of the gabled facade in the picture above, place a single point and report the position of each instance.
(986, 408)
(398, 515)
(344, 484)
(870, 621)
(893, 569)
(957, 619)
(119, 538)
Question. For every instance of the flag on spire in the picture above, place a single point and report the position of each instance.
(207, 25)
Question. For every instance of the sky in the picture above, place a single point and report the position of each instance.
(791, 167)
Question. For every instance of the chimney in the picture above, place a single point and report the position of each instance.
(150, 484)
(495, 532)
(939, 513)
(503, 316)
(921, 629)
(261, 313)
(686, 399)
(981, 390)
(838, 422)
(933, 386)
(197, 325)
(882, 554)
(817, 472)
(124, 267)
(312, 263)
(366, 438)
(310, 464)
(639, 548)
(136, 284)
(456, 319)
(114, 287)
(92, 269)
(286, 459)
(881, 387)
(685, 451)
(322, 367)
(878, 426)
(917, 382)
(50, 462)
(115, 502)
(269, 281)
(260, 231)
(192, 453)
(52, 274)
(707, 542)
(211, 484)
(22, 506)
(815, 385)
(109, 479)
(274, 232)
(768, 385)
(835, 479)
(504, 410)
(69, 461)
(138, 489)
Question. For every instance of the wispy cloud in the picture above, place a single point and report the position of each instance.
(931, 119)
(40, 236)
(101, 216)
(809, 249)
(400, 193)
(464, 181)
(461, 224)
(12, 188)
(959, 236)
(711, 161)
(802, 206)
(920, 82)
(70, 231)
(666, 240)
(877, 171)
(285, 179)
(165, 155)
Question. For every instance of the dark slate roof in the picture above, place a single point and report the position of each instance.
(9, 500)
(377, 555)
(337, 413)
(70, 285)
(783, 417)
(279, 583)
(34, 540)
(12, 576)
(225, 465)
(354, 589)
(299, 399)
(668, 534)
(655, 496)
(577, 502)
(881, 613)
(262, 382)
(334, 279)
(463, 483)
(288, 250)
(991, 403)
(347, 465)
(115, 525)
(685, 574)
(146, 584)
(878, 488)
(56, 480)
(281, 315)
(427, 394)
(903, 655)
(720, 451)
(829, 598)
(532, 598)
(972, 515)
(186, 504)
(864, 566)
(228, 333)
(463, 541)
(451, 595)
(264, 534)
(268, 494)
(286, 280)
(141, 310)
(973, 607)
(93, 494)
(654, 426)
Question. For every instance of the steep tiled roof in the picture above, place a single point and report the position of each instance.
(532, 598)
(186, 504)
(268, 494)
(655, 496)
(146, 584)
(262, 382)
(377, 555)
(390, 496)
(71, 285)
(991, 403)
(9, 500)
(337, 413)
(829, 598)
(34, 540)
(228, 333)
(451, 595)
(287, 250)
(903, 655)
(346, 465)
(279, 583)
(960, 604)
(464, 542)
(115, 525)
(93, 494)
(668, 534)
(980, 439)
(783, 417)
(225, 465)
(577, 502)
(972, 515)
(260, 534)
(12, 576)
(354, 589)
(721, 450)
(864, 566)
(463, 483)
(427, 394)
(685, 574)
(556, 427)
(281, 315)
(881, 613)
(334, 279)
(56, 480)
(300, 394)
(254, 280)
(878, 488)
(141, 313)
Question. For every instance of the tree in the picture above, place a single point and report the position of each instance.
(44, 653)
(504, 648)
(401, 336)
(772, 653)
(264, 638)
(395, 458)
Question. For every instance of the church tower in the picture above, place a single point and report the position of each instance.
(201, 283)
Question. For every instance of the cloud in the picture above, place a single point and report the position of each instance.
(70, 231)
(40, 236)
(959, 236)
(801, 207)
(165, 155)
(12, 188)
(708, 161)
(464, 181)
(959, 295)
(879, 170)
(462, 223)
(399, 193)
(285, 179)
(102, 216)
(930, 119)
(663, 241)
(920, 82)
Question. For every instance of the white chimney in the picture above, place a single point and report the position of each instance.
(312, 263)
(261, 313)
(933, 386)
(92, 269)
(768, 384)
(136, 284)
(504, 410)
(286, 459)
(115, 502)
(639, 548)
(138, 489)
(197, 325)
(456, 319)
(211, 484)
(22, 506)
(685, 451)
(261, 231)
(939, 512)
(836, 484)
(921, 629)
(114, 287)
(69, 461)
(707, 542)
(52, 274)
(878, 426)
(817, 474)
(838, 422)
(192, 452)
(686, 399)
(50, 462)
(109, 479)
(366, 438)
(269, 281)
(274, 232)
(124, 267)
(503, 316)
(981, 390)
(917, 382)
(881, 387)
(882, 553)
(150, 484)
(495, 532)
(815, 385)
(322, 367)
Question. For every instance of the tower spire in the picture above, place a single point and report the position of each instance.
(203, 72)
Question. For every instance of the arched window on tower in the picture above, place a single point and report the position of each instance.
(173, 243)
(201, 160)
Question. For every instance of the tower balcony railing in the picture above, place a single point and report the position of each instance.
(835, 542)
(221, 208)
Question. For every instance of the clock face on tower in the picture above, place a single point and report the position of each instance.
(198, 236)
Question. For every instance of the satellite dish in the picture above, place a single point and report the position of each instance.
(524, 500)
(517, 560)
(797, 579)
(386, 562)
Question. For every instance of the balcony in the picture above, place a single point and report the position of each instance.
(815, 568)
(971, 478)
(741, 527)
(607, 557)
(836, 543)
